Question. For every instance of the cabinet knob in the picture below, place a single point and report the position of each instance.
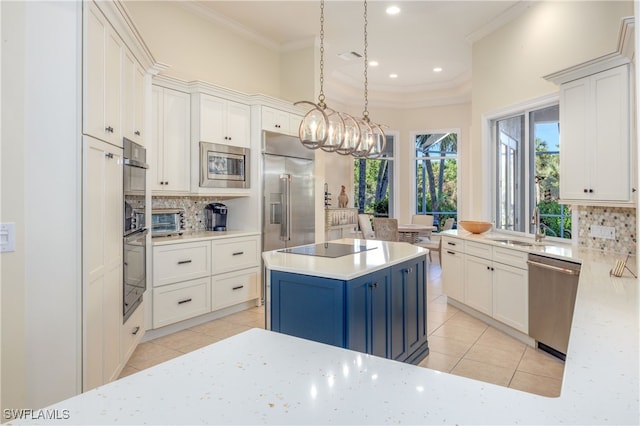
(590, 190)
(374, 285)
(108, 155)
(135, 330)
(109, 129)
(137, 133)
(585, 190)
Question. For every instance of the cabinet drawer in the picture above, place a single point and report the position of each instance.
(233, 288)
(181, 262)
(234, 253)
(452, 244)
(181, 301)
(515, 258)
(132, 332)
(477, 249)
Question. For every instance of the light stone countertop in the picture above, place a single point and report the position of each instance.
(265, 377)
(188, 237)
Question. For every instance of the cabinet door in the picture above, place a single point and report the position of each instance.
(102, 261)
(478, 291)
(308, 307)
(155, 152)
(113, 80)
(138, 104)
(233, 288)
(94, 72)
(176, 145)
(408, 308)
(610, 165)
(212, 119)
(275, 120)
(367, 314)
(238, 124)
(574, 119)
(511, 296)
(128, 95)
(453, 274)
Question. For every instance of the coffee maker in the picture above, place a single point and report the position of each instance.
(216, 217)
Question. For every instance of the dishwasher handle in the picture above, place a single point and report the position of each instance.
(554, 268)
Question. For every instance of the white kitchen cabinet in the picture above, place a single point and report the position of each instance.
(131, 333)
(275, 120)
(491, 280)
(102, 262)
(181, 301)
(478, 284)
(595, 163)
(452, 261)
(174, 263)
(234, 287)
(102, 78)
(232, 254)
(170, 141)
(133, 102)
(221, 121)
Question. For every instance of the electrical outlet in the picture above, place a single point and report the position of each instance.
(606, 232)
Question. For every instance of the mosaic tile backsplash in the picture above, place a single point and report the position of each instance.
(193, 209)
(622, 219)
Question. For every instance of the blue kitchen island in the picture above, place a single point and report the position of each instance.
(364, 295)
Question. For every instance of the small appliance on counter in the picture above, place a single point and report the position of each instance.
(216, 217)
(167, 222)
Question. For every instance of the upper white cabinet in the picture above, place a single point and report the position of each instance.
(595, 162)
(102, 78)
(169, 154)
(221, 121)
(275, 120)
(133, 77)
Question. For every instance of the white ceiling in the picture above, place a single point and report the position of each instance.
(424, 35)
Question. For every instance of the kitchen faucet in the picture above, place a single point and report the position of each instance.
(535, 221)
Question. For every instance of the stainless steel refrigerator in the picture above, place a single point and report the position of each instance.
(288, 217)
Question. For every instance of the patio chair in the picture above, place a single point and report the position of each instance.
(364, 223)
(386, 229)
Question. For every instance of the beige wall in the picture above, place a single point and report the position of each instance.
(508, 66)
(197, 49)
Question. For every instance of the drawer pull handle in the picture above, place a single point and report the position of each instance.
(450, 243)
(374, 285)
(451, 252)
(238, 253)
(237, 287)
(180, 302)
(182, 262)
(135, 330)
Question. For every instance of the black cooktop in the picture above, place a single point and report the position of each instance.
(331, 250)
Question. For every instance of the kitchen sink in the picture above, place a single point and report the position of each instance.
(514, 242)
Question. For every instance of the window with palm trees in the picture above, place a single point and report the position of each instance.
(437, 175)
(373, 183)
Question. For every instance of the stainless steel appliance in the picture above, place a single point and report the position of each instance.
(166, 222)
(135, 230)
(224, 166)
(553, 285)
(216, 217)
(289, 208)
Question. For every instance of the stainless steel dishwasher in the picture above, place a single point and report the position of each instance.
(553, 285)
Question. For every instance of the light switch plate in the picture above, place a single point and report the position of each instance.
(606, 232)
(7, 237)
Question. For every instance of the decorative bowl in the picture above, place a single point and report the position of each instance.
(475, 227)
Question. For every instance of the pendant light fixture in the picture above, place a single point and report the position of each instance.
(372, 137)
(321, 127)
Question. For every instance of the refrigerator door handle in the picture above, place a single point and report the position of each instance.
(285, 228)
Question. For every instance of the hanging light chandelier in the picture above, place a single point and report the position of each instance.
(333, 131)
(321, 127)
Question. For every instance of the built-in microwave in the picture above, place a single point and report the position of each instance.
(223, 166)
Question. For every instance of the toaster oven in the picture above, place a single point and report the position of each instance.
(166, 222)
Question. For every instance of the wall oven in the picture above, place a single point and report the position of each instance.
(135, 227)
(223, 166)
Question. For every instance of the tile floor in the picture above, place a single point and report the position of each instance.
(459, 344)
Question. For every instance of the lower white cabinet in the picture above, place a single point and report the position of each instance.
(131, 333)
(491, 280)
(177, 302)
(235, 287)
(195, 278)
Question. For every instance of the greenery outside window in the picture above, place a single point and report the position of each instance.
(373, 183)
(437, 175)
(527, 172)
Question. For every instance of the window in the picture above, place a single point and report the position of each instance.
(526, 173)
(437, 175)
(373, 183)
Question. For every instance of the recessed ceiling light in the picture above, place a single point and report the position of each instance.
(393, 10)
(437, 69)
(393, 75)
(373, 63)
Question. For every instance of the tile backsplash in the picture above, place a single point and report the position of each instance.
(623, 220)
(193, 209)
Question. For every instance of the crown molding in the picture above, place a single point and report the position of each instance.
(507, 16)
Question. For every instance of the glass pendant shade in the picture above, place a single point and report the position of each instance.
(336, 131)
(379, 142)
(351, 135)
(314, 127)
(366, 140)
